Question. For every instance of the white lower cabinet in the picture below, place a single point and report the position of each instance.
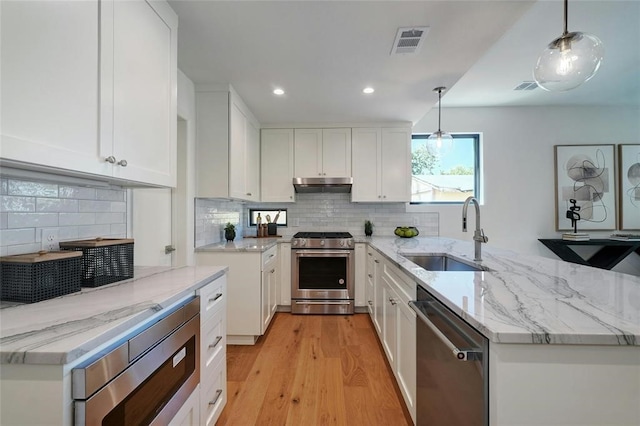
(213, 354)
(390, 290)
(189, 414)
(252, 292)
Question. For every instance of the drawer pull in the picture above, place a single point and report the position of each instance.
(216, 297)
(218, 393)
(273, 270)
(215, 342)
(370, 276)
(376, 260)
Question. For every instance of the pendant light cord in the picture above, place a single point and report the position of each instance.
(439, 109)
(566, 17)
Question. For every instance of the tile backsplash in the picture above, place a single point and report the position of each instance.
(77, 212)
(311, 212)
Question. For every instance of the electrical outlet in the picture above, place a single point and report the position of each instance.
(295, 222)
(50, 241)
(416, 221)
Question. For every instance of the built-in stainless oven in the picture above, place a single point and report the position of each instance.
(322, 273)
(145, 378)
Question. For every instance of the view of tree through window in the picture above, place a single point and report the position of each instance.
(449, 175)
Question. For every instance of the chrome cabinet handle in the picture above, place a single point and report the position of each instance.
(370, 302)
(377, 261)
(273, 270)
(122, 163)
(249, 194)
(110, 159)
(216, 297)
(370, 276)
(370, 254)
(218, 393)
(215, 342)
(393, 302)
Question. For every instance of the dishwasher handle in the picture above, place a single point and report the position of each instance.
(459, 354)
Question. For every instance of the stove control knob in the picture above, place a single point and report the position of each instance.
(342, 243)
(294, 243)
(303, 242)
(321, 242)
(349, 242)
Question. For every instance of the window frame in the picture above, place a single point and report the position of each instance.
(477, 178)
(272, 212)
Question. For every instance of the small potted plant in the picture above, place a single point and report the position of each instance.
(229, 232)
(368, 228)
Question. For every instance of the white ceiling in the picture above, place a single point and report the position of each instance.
(323, 53)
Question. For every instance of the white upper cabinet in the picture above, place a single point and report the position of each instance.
(228, 147)
(85, 82)
(276, 168)
(382, 172)
(138, 81)
(322, 152)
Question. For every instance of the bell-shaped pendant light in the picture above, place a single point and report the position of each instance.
(439, 142)
(568, 61)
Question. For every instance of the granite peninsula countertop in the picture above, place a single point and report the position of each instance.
(527, 299)
(61, 330)
(244, 244)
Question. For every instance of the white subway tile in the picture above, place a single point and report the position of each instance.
(102, 218)
(32, 220)
(3, 186)
(119, 230)
(23, 248)
(4, 224)
(93, 231)
(73, 219)
(77, 192)
(67, 233)
(110, 194)
(120, 207)
(56, 205)
(93, 206)
(17, 236)
(10, 203)
(36, 189)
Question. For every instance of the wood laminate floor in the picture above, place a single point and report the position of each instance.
(313, 370)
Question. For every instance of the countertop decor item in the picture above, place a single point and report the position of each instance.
(569, 60)
(104, 260)
(230, 231)
(406, 231)
(368, 228)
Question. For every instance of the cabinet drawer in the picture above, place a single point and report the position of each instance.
(404, 286)
(213, 394)
(212, 298)
(214, 341)
(269, 256)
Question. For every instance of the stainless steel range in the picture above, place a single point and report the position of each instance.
(322, 273)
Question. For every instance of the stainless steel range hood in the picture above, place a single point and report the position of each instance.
(323, 184)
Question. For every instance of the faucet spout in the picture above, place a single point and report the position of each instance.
(478, 235)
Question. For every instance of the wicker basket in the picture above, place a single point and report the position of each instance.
(34, 277)
(104, 260)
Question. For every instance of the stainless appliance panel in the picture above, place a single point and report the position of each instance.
(452, 367)
(332, 307)
(152, 388)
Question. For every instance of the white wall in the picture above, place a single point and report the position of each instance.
(518, 166)
(183, 211)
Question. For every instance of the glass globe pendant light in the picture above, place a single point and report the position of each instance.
(439, 142)
(568, 61)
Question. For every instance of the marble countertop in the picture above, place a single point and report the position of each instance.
(244, 244)
(527, 299)
(62, 330)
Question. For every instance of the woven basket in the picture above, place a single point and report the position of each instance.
(104, 260)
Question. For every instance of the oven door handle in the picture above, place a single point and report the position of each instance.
(459, 354)
(323, 302)
(322, 252)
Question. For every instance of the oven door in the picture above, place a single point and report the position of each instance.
(323, 274)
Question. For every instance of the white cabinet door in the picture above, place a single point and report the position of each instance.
(88, 81)
(367, 167)
(382, 171)
(308, 152)
(406, 355)
(252, 162)
(378, 296)
(276, 168)
(336, 152)
(189, 414)
(237, 151)
(390, 321)
(138, 90)
(50, 85)
(396, 165)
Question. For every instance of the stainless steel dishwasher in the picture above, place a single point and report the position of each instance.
(452, 386)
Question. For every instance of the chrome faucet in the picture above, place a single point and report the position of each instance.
(478, 235)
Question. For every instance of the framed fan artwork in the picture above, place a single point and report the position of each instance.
(629, 181)
(585, 180)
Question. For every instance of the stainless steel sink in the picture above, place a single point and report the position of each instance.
(441, 262)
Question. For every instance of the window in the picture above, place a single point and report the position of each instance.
(446, 176)
(281, 213)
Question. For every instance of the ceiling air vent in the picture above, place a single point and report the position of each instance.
(409, 40)
(527, 85)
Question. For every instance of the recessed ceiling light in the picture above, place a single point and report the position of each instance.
(368, 90)
(278, 92)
